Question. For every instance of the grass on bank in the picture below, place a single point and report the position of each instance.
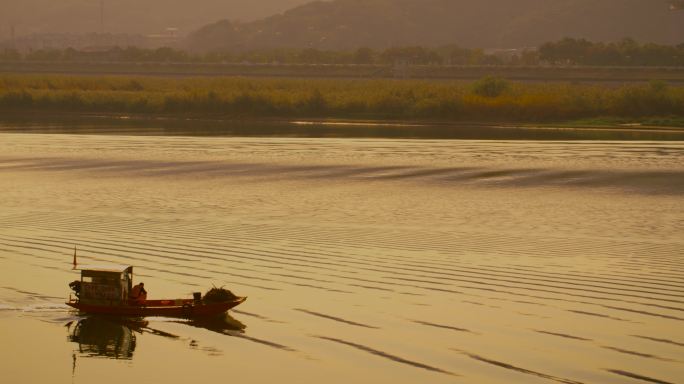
(488, 99)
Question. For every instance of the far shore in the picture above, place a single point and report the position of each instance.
(489, 108)
(535, 73)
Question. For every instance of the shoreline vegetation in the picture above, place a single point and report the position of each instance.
(565, 52)
(488, 100)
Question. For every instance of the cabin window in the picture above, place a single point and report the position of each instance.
(87, 279)
(103, 280)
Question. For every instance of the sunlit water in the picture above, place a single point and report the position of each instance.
(364, 260)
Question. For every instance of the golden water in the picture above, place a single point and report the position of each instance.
(379, 261)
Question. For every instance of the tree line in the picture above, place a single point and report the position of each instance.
(567, 51)
(415, 55)
(626, 52)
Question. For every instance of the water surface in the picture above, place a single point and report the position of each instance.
(378, 129)
(373, 260)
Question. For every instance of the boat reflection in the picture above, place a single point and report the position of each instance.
(105, 337)
(223, 324)
(115, 337)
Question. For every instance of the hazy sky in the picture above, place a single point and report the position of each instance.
(131, 16)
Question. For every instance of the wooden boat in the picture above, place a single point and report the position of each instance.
(105, 290)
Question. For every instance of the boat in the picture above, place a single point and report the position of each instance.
(106, 290)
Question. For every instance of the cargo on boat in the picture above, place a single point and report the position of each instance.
(107, 290)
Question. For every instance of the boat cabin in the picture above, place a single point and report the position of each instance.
(105, 290)
(105, 285)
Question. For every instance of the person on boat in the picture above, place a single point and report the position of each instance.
(76, 287)
(138, 293)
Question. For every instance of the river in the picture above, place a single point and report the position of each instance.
(363, 259)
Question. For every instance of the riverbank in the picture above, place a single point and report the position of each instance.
(489, 101)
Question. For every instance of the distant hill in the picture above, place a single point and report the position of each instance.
(349, 24)
(127, 16)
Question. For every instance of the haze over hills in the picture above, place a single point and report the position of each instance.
(128, 16)
(349, 24)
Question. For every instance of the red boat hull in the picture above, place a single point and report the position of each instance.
(167, 308)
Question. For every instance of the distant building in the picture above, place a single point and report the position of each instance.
(170, 37)
(508, 54)
(91, 42)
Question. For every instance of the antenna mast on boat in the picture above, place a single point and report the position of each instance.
(75, 263)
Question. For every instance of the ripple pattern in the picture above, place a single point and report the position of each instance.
(417, 260)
